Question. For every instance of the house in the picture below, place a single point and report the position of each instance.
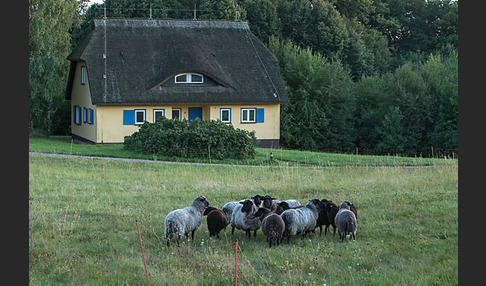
(127, 71)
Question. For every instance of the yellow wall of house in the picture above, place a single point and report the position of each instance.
(108, 124)
(110, 121)
(110, 128)
(81, 96)
(269, 129)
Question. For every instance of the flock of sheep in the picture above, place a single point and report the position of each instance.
(277, 219)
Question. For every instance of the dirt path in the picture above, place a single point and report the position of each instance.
(130, 160)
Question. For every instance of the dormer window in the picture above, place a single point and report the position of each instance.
(189, 78)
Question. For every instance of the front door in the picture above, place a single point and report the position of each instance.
(195, 112)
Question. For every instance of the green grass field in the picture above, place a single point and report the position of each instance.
(62, 145)
(84, 230)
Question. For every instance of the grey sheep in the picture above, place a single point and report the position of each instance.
(299, 220)
(185, 221)
(273, 226)
(346, 222)
(216, 220)
(243, 217)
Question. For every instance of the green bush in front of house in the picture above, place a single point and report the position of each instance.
(179, 138)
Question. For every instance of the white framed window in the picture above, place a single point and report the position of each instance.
(176, 113)
(189, 78)
(83, 75)
(248, 115)
(85, 114)
(158, 113)
(225, 115)
(139, 116)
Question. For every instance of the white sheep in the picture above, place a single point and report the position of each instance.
(243, 217)
(185, 221)
(229, 207)
(228, 210)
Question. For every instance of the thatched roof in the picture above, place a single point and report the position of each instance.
(143, 56)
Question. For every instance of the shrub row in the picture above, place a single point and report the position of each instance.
(169, 137)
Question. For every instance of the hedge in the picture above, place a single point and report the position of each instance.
(179, 138)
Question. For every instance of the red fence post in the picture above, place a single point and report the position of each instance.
(143, 255)
(236, 263)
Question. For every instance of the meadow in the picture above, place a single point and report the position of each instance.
(64, 145)
(84, 229)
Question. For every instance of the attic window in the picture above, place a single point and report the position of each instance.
(83, 75)
(189, 78)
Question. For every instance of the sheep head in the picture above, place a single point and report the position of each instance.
(257, 199)
(284, 205)
(208, 210)
(201, 200)
(267, 201)
(344, 205)
(247, 206)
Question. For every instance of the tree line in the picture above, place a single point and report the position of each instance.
(380, 75)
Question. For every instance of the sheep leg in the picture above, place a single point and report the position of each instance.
(232, 230)
(248, 234)
(167, 239)
(178, 239)
(254, 233)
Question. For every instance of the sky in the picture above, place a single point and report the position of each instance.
(96, 1)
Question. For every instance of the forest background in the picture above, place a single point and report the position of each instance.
(377, 75)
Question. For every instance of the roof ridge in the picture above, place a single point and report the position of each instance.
(157, 23)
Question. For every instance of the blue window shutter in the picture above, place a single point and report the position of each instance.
(91, 116)
(128, 117)
(260, 115)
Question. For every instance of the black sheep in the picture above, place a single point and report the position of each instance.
(332, 210)
(352, 208)
(273, 226)
(216, 220)
(322, 217)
